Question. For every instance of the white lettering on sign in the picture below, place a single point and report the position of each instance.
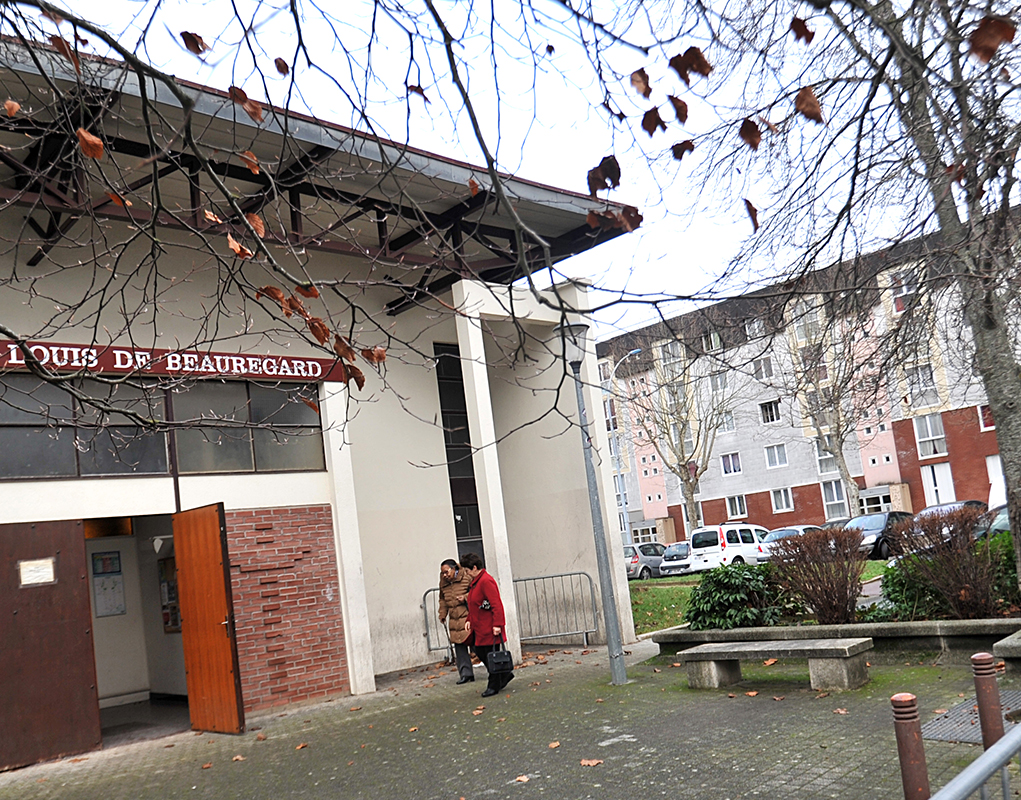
(37, 571)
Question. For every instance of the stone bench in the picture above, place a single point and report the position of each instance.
(833, 664)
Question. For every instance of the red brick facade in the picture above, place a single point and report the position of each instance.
(808, 508)
(967, 448)
(284, 580)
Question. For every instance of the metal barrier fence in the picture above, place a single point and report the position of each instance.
(549, 607)
(1000, 748)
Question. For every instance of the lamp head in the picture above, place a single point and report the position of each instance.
(573, 338)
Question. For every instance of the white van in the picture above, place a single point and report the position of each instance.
(730, 543)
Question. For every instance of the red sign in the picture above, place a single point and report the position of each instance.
(174, 363)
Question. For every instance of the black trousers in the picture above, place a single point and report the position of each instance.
(497, 681)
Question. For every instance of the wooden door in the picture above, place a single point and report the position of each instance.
(48, 699)
(207, 620)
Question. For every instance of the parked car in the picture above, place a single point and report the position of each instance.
(949, 508)
(676, 559)
(876, 530)
(991, 523)
(643, 560)
(730, 543)
(835, 524)
(777, 534)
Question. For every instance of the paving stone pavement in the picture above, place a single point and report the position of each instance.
(420, 737)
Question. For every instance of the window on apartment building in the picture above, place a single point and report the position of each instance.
(620, 488)
(985, 418)
(806, 323)
(711, 342)
(873, 462)
(645, 459)
(887, 459)
(727, 424)
(868, 430)
(827, 462)
(610, 409)
(770, 412)
(813, 362)
(645, 473)
(731, 463)
(782, 500)
(698, 516)
(659, 497)
(652, 457)
(929, 433)
(644, 535)
(622, 522)
(604, 370)
(833, 500)
(776, 455)
(762, 368)
(718, 382)
(648, 498)
(736, 507)
(671, 356)
(655, 470)
(754, 328)
(921, 386)
(903, 287)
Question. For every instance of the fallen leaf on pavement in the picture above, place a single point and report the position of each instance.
(751, 694)
(476, 712)
(821, 695)
(840, 711)
(301, 746)
(731, 695)
(554, 745)
(238, 758)
(207, 765)
(522, 779)
(599, 700)
(656, 669)
(591, 762)
(769, 662)
(501, 719)
(355, 708)
(676, 664)
(940, 711)
(259, 737)
(412, 730)
(778, 699)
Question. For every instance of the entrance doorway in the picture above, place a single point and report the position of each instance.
(124, 630)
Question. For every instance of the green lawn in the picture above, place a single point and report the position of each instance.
(661, 603)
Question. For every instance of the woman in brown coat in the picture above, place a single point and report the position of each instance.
(454, 583)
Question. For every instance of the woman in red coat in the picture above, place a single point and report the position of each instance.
(485, 618)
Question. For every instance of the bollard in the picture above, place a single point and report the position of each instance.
(913, 772)
(990, 714)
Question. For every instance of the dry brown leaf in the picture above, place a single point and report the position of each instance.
(841, 711)
(501, 719)
(342, 347)
(273, 292)
(768, 124)
(751, 694)
(522, 779)
(301, 746)
(354, 374)
(250, 161)
(679, 149)
(769, 662)
(239, 249)
(207, 765)
(412, 730)
(292, 305)
(821, 695)
(731, 695)
(779, 698)
(194, 42)
(257, 224)
(691, 61)
(750, 134)
(473, 186)
(631, 220)
(940, 711)
(281, 66)
(260, 737)
(117, 200)
(807, 104)
(238, 758)
(237, 94)
(415, 89)
(801, 31)
(680, 108)
(677, 664)
(12, 108)
(92, 146)
(212, 217)
(318, 329)
(753, 214)
(640, 81)
(1004, 74)
(61, 45)
(600, 700)
(554, 745)
(591, 762)
(651, 121)
(253, 108)
(656, 669)
(307, 291)
(988, 36)
(476, 712)
(374, 355)
(606, 174)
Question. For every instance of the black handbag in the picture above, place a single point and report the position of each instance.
(499, 662)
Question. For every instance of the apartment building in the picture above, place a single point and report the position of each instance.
(780, 411)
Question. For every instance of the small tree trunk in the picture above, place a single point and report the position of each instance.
(690, 506)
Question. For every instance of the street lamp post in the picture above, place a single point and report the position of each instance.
(616, 440)
(573, 338)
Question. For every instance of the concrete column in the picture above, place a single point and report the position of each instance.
(482, 429)
(354, 605)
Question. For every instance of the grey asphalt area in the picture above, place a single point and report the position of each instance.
(559, 731)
